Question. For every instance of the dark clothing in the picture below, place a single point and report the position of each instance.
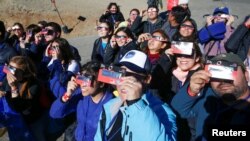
(29, 108)
(76, 54)
(239, 42)
(98, 51)
(88, 113)
(147, 26)
(112, 17)
(169, 30)
(209, 110)
(114, 55)
(6, 53)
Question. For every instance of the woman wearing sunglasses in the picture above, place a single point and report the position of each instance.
(20, 96)
(14, 34)
(85, 96)
(121, 42)
(157, 43)
(105, 31)
(60, 60)
(187, 31)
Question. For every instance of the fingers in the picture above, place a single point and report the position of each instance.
(144, 37)
(169, 51)
(198, 81)
(129, 88)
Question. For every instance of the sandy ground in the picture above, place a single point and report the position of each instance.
(84, 34)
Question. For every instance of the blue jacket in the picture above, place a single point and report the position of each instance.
(140, 120)
(86, 120)
(209, 110)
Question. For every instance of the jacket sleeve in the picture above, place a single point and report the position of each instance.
(165, 62)
(56, 87)
(60, 109)
(184, 104)
(235, 43)
(109, 55)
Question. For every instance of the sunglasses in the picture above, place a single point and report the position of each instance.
(185, 56)
(120, 37)
(187, 26)
(133, 14)
(84, 80)
(152, 10)
(101, 27)
(16, 29)
(158, 38)
(48, 31)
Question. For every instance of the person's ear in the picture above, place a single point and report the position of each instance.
(148, 79)
(164, 45)
(247, 74)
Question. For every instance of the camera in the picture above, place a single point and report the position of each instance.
(221, 72)
(184, 48)
(111, 75)
(7, 69)
(83, 80)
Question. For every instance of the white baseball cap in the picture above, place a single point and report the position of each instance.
(183, 2)
(136, 61)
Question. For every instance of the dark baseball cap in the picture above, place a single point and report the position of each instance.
(230, 58)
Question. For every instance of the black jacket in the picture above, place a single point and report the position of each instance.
(114, 55)
(112, 18)
(97, 54)
(239, 42)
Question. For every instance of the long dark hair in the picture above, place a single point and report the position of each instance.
(127, 31)
(91, 68)
(194, 36)
(65, 50)
(29, 74)
(114, 4)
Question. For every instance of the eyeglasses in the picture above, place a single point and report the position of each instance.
(158, 38)
(133, 14)
(185, 56)
(14, 70)
(16, 29)
(187, 26)
(120, 37)
(101, 27)
(48, 31)
(152, 10)
(54, 47)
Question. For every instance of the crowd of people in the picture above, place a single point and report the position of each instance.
(152, 77)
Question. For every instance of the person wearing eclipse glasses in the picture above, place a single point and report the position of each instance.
(105, 31)
(121, 42)
(217, 97)
(135, 114)
(20, 106)
(85, 96)
(216, 32)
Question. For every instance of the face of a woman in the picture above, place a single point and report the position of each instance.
(133, 15)
(18, 71)
(17, 31)
(186, 63)
(121, 38)
(55, 50)
(103, 30)
(113, 9)
(186, 29)
(155, 44)
(38, 38)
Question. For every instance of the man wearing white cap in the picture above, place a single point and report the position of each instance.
(135, 107)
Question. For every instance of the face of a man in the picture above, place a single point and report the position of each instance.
(152, 13)
(238, 87)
